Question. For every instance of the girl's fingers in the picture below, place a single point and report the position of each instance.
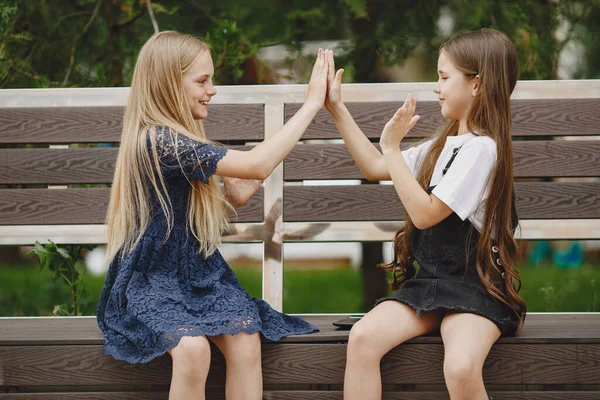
(398, 114)
(324, 71)
(414, 120)
(331, 75)
(317, 64)
(414, 106)
(324, 65)
(338, 78)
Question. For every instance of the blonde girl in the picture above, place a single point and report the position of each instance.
(168, 289)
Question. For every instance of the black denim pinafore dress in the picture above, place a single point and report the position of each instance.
(447, 278)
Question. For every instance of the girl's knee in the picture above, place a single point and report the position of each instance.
(460, 368)
(192, 355)
(244, 350)
(362, 340)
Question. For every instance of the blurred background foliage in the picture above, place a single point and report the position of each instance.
(84, 43)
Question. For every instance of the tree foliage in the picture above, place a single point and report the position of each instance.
(81, 43)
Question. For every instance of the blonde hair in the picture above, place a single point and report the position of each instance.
(157, 99)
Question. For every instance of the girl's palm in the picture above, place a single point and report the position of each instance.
(316, 91)
(334, 83)
(401, 123)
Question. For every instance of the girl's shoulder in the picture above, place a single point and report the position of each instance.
(479, 143)
(160, 132)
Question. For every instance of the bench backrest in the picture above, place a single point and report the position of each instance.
(57, 189)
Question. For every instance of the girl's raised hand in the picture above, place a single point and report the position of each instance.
(316, 90)
(334, 84)
(400, 124)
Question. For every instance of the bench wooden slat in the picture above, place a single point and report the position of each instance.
(531, 159)
(319, 161)
(81, 206)
(539, 117)
(543, 328)
(288, 363)
(92, 396)
(314, 395)
(104, 124)
(61, 166)
(511, 395)
(535, 200)
(302, 395)
(57, 166)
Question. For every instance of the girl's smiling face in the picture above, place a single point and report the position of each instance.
(198, 85)
(455, 90)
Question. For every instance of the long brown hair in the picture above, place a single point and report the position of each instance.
(491, 55)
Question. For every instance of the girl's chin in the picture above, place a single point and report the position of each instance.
(447, 115)
(202, 114)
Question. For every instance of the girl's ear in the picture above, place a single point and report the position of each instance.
(475, 85)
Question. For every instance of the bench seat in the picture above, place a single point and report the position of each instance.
(557, 356)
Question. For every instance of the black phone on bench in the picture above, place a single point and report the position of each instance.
(347, 322)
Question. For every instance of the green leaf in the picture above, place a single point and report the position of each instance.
(160, 9)
(60, 310)
(357, 7)
(80, 267)
(63, 252)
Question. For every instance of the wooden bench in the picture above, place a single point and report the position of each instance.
(50, 192)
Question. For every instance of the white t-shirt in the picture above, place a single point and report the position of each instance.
(465, 186)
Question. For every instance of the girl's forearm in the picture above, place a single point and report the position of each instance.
(368, 159)
(415, 200)
(270, 153)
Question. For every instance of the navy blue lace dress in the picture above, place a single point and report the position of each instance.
(163, 291)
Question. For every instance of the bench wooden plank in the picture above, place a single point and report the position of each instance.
(511, 395)
(540, 328)
(104, 124)
(303, 395)
(536, 117)
(61, 166)
(312, 395)
(319, 161)
(530, 158)
(289, 363)
(141, 395)
(81, 206)
(535, 200)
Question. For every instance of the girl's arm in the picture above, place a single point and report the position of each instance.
(424, 210)
(239, 191)
(259, 162)
(369, 160)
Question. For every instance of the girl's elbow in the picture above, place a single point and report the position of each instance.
(369, 175)
(422, 223)
(263, 173)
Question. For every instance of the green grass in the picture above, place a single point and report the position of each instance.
(322, 291)
(27, 291)
(547, 288)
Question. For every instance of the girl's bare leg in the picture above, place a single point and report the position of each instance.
(191, 362)
(468, 338)
(243, 365)
(383, 328)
